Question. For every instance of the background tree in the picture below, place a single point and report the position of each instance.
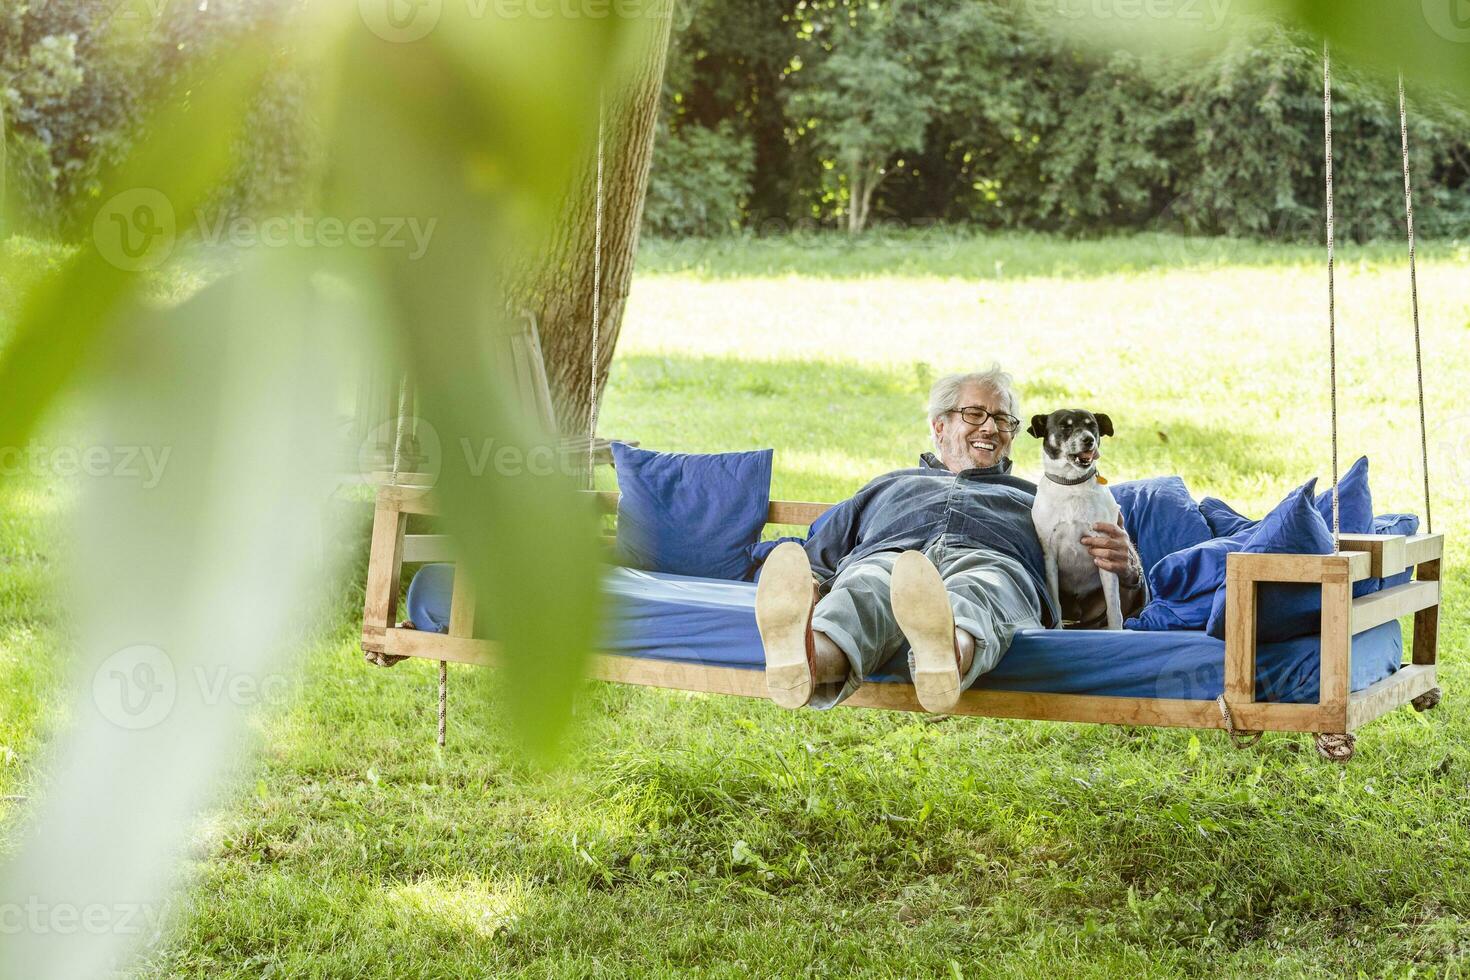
(861, 104)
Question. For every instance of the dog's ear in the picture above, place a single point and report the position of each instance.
(1104, 424)
(1038, 426)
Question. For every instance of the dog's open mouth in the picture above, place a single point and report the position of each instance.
(1086, 458)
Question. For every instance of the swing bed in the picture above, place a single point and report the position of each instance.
(1349, 672)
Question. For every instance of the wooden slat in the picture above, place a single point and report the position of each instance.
(427, 547)
(385, 567)
(409, 500)
(1356, 565)
(801, 512)
(1390, 552)
(435, 646)
(1091, 709)
(795, 512)
(1401, 600)
(1422, 548)
(461, 606)
(1426, 620)
(1240, 635)
(1393, 691)
(1336, 647)
(385, 478)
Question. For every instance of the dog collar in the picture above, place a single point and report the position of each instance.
(1081, 479)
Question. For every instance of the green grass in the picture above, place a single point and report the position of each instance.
(706, 836)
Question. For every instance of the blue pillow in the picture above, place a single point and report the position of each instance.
(1284, 611)
(691, 514)
(1223, 519)
(1405, 524)
(1160, 516)
(1182, 586)
(1354, 501)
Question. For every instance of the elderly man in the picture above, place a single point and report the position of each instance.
(944, 557)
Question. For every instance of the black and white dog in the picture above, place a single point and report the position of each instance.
(1069, 501)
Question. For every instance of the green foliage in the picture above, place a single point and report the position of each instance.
(76, 77)
(701, 183)
(984, 113)
(862, 101)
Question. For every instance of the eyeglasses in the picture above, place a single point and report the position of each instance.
(975, 415)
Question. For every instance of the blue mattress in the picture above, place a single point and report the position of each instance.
(708, 621)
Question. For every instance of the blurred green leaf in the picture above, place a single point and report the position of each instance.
(167, 178)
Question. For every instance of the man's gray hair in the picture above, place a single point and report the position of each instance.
(944, 396)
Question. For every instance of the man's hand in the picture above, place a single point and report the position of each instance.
(1112, 552)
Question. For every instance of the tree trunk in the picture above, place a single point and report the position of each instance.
(4, 141)
(855, 195)
(558, 286)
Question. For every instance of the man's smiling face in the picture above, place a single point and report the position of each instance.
(962, 444)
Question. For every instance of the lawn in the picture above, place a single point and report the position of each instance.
(700, 836)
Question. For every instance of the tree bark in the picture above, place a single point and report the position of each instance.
(557, 288)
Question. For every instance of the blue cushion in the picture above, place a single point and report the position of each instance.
(1295, 527)
(1404, 524)
(1160, 515)
(1182, 586)
(691, 514)
(1354, 501)
(1223, 519)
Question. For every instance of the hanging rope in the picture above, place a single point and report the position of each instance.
(1414, 296)
(399, 432)
(1239, 737)
(1331, 283)
(596, 305)
(443, 700)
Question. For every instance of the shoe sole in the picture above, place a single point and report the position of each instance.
(783, 614)
(921, 606)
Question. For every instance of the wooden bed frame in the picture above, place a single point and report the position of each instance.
(1338, 713)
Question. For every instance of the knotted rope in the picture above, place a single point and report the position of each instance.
(1241, 738)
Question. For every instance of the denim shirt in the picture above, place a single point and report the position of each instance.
(982, 507)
